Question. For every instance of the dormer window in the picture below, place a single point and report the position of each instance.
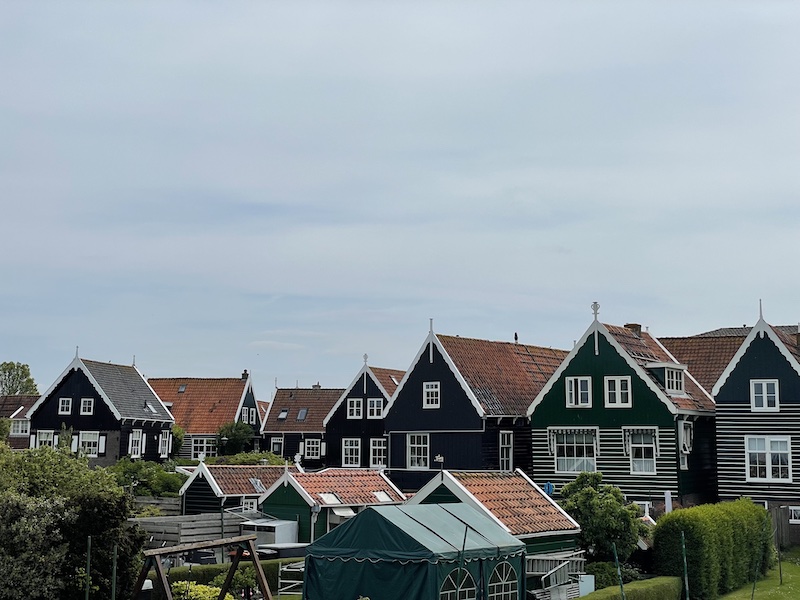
(674, 381)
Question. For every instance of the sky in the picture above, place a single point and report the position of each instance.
(283, 187)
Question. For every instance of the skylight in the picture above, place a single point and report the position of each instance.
(330, 498)
(301, 415)
(382, 496)
(152, 408)
(181, 388)
(395, 380)
(258, 485)
(284, 413)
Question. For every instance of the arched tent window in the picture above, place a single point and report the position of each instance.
(458, 585)
(503, 583)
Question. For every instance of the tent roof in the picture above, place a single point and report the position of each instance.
(425, 532)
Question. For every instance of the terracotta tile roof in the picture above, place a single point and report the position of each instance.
(505, 377)
(289, 403)
(706, 357)
(353, 487)
(388, 378)
(10, 405)
(511, 498)
(644, 349)
(204, 405)
(238, 480)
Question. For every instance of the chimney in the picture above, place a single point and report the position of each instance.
(636, 328)
(316, 386)
(244, 374)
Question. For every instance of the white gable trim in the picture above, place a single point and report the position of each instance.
(202, 471)
(288, 479)
(761, 328)
(686, 373)
(345, 394)
(241, 403)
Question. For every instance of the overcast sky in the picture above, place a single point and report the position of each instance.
(283, 187)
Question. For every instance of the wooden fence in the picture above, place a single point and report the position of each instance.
(187, 529)
(167, 506)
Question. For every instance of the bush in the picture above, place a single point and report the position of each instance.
(205, 574)
(658, 588)
(605, 574)
(147, 478)
(195, 591)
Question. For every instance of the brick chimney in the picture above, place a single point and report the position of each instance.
(636, 328)
(244, 374)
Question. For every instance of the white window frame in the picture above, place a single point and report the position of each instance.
(374, 408)
(250, 504)
(645, 505)
(46, 437)
(794, 515)
(351, 452)
(88, 440)
(639, 450)
(615, 395)
(87, 406)
(312, 448)
(764, 395)
(276, 442)
(378, 453)
(65, 406)
(506, 451)
(674, 380)
(565, 438)
(136, 443)
(769, 453)
(253, 416)
(355, 408)
(418, 451)
(503, 583)
(458, 585)
(163, 444)
(203, 447)
(20, 427)
(431, 394)
(583, 399)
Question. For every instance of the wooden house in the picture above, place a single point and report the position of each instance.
(621, 404)
(201, 406)
(15, 408)
(462, 405)
(110, 409)
(354, 427)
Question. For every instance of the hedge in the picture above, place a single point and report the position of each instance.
(657, 588)
(727, 545)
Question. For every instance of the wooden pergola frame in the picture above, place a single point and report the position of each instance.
(152, 559)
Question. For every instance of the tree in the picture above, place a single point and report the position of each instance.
(15, 378)
(238, 437)
(604, 517)
(178, 434)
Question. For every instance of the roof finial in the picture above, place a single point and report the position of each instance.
(76, 352)
(134, 360)
(595, 309)
(366, 356)
(431, 324)
(760, 310)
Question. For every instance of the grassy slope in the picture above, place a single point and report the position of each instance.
(770, 586)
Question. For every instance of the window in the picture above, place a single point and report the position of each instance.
(276, 446)
(575, 449)
(330, 498)
(253, 416)
(135, 443)
(250, 504)
(244, 416)
(579, 392)
(794, 514)
(458, 585)
(641, 447)
(285, 413)
(506, 451)
(674, 381)
(87, 406)
(203, 447)
(163, 444)
(618, 392)
(768, 459)
(645, 506)
(354, 408)
(351, 452)
(503, 583)
(64, 406)
(45, 438)
(301, 414)
(20, 426)
(430, 394)
(764, 395)
(377, 453)
(89, 443)
(418, 451)
(382, 496)
(685, 442)
(374, 408)
(312, 448)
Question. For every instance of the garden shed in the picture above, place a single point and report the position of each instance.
(422, 552)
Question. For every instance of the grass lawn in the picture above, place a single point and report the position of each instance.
(770, 587)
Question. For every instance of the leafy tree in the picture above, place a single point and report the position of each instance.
(238, 438)
(15, 378)
(604, 517)
(5, 429)
(244, 578)
(178, 435)
(147, 478)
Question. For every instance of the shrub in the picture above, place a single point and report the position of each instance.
(605, 574)
(658, 588)
(195, 591)
(205, 574)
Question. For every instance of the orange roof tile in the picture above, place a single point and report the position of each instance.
(511, 498)
(388, 378)
(236, 480)
(289, 404)
(353, 487)
(705, 357)
(504, 376)
(204, 405)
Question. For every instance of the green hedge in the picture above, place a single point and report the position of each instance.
(658, 588)
(727, 545)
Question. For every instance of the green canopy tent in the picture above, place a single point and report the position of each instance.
(416, 552)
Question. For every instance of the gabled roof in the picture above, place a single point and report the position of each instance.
(512, 499)
(121, 387)
(352, 487)
(202, 405)
(286, 412)
(15, 406)
(387, 381)
(237, 480)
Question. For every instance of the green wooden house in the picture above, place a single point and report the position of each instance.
(621, 404)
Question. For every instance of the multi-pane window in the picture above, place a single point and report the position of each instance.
(768, 459)
(431, 394)
(579, 392)
(575, 451)
(377, 452)
(418, 451)
(45, 438)
(506, 451)
(163, 444)
(135, 443)
(374, 408)
(503, 583)
(203, 447)
(794, 514)
(20, 427)
(351, 452)
(643, 451)
(276, 446)
(686, 442)
(354, 408)
(312, 448)
(87, 406)
(618, 392)
(764, 395)
(458, 585)
(89, 443)
(64, 406)
(674, 381)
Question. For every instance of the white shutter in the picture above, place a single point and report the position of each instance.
(144, 442)
(74, 443)
(101, 445)
(32, 442)
(302, 447)
(130, 443)
(170, 444)
(323, 446)
(55, 440)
